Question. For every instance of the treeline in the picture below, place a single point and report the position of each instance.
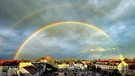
(65, 60)
(129, 59)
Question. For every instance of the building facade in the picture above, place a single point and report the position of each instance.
(8, 67)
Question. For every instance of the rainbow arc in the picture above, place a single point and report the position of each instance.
(59, 23)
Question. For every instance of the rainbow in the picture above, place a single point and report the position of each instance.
(59, 23)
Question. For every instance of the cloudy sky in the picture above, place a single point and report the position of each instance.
(19, 19)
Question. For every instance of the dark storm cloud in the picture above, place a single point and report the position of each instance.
(65, 40)
(10, 42)
(17, 8)
(95, 12)
(6, 56)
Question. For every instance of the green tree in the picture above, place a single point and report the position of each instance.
(24, 60)
(78, 60)
(69, 60)
(133, 58)
(40, 58)
(115, 72)
(59, 61)
(126, 59)
(98, 69)
(93, 67)
(94, 61)
(51, 61)
(133, 73)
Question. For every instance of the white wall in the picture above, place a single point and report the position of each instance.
(62, 66)
(0, 70)
(11, 70)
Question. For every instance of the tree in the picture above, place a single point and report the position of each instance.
(59, 61)
(94, 61)
(133, 58)
(69, 60)
(116, 72)
(98, 69)
(40, 58)
(126, 59)
(51, 61)
(93, 67)
(78, 60)
(24, 60)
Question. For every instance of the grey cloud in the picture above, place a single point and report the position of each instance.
(63, 40)
(99, 13)
(124, 10)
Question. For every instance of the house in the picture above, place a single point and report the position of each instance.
(123, 68)
(108, 65)
(8, 67)
(72, 65)
(30, 69)
(103, 64)
(79, 65)
(113, 64)
(131, 67)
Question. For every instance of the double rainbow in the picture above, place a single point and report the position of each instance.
(57, 23)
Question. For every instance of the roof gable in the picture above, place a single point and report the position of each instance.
(31, 69)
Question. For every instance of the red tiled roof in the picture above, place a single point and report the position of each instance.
(109, 62)
(31, 69)
(9, 62)
(115, 61)
(103, 61)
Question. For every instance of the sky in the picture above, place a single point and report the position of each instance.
(19, 19)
